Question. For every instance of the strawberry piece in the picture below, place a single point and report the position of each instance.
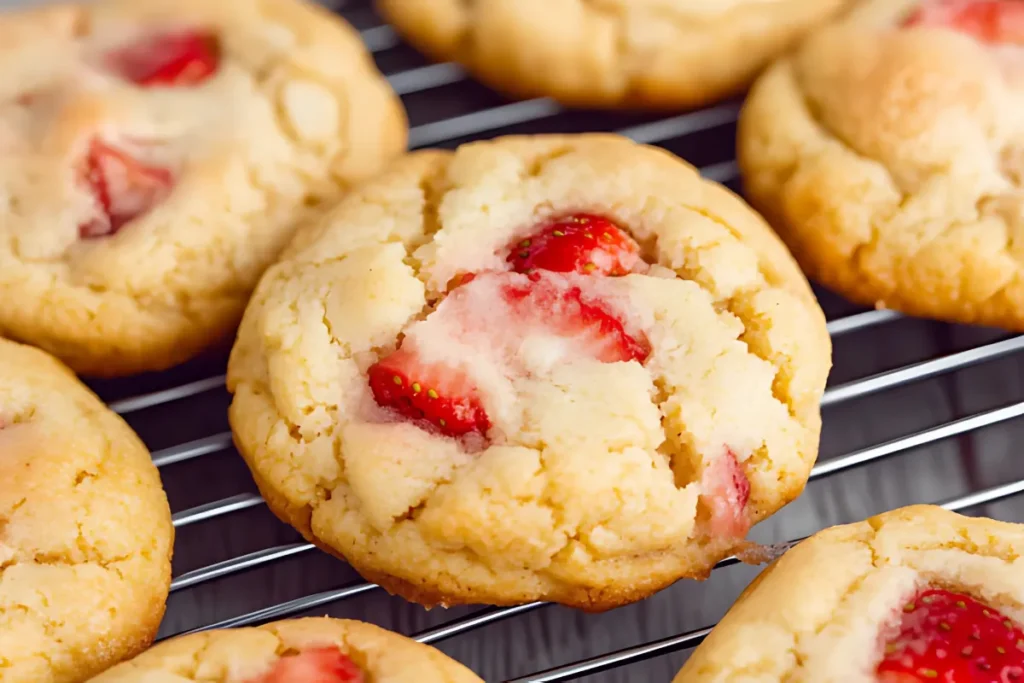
(726, 492)
(320, 665)
(499, 312)
(592, 331)
(951, 637)
(124, 188)
(459, 280)
(577, 244)
(991, 21)
(439, 395)
(181, 58)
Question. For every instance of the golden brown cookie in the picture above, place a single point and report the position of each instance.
(914, 595)
(85, 530)
(553, 367)
(889, 154)
(155, 157)
(296, 651)
(660, 54)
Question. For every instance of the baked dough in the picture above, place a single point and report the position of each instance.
(245, 655)
(85, 530)
(660, 54)
(136, 215)
(595, 481)
(891, 160)
(816, 614)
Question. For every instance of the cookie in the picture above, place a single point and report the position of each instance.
(155, 157)
(657, 54)
(85, 530)
(319, 650)
(916, 594)
(889, 153)
(555, 367)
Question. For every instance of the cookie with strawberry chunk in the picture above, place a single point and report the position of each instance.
(888, 152)
(315, 650)
(649, 54)
(915, 595)
(156, 156)
(556, 367)
(85, 529)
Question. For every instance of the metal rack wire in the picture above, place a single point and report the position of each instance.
(487, 121)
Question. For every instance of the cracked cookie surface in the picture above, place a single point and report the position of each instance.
(558, 367)
(272, 654)
(85, 529)
(659, 54)
(889, 154)
(826, 611)
(156, 157)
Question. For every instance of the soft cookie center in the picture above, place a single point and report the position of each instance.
(953, 638)
(123, 186)
(990, 21)
(121, 177)
(318, 665)
(535, 315)
(543, 312)
(496, 325)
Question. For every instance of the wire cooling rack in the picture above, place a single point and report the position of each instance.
(447, 109)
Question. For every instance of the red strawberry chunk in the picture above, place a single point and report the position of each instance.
(577, 244)
(991, 21)
(593, 331)
(439, 395)
(726, 492)
(495, 313)
(180, 58)
(320, 665)
(124, 188)
(951, 637)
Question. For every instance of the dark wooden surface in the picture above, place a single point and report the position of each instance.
(554, 636)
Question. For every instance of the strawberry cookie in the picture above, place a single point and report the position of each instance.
(655, 54)
(917, 595)
(155, 157)
(889, 153)
(316, 650)
(555, 367)
(85, 530)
